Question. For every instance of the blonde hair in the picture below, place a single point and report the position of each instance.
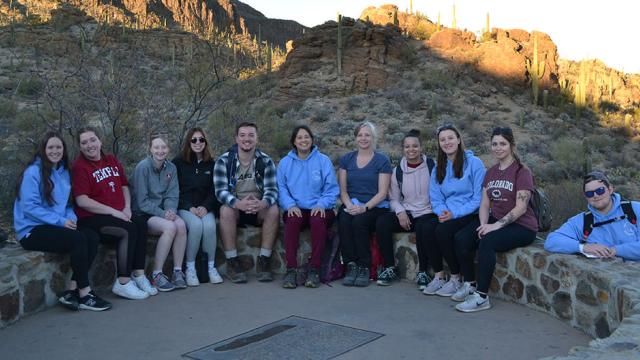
(372, 128)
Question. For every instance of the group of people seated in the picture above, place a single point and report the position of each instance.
(461, 212)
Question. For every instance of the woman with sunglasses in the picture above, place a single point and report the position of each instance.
(506, 221)
(198, 202)
(103, 203)
(45, 221)
(455, 191)
(364, 177)
(411, 209)
(156, 195)
(307, 191)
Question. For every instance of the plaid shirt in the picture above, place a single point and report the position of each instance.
(266, 184)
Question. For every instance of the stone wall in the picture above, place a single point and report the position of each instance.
(599, 297)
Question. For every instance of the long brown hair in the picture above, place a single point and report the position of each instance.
(507, 134)
(45, 166)
(187, 154)
(458, 161)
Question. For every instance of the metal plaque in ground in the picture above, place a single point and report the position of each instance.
(290, 338)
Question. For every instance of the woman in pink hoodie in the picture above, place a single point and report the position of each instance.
(410, 209)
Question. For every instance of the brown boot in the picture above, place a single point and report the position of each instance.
(263, 269)
(234, 272)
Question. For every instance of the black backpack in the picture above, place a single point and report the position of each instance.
(541, 207)
(588, 225)
(399, 173)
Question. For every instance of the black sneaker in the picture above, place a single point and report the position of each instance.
(362, 279)
(290, 278)
(387, 276)
(70, 299)
(422, 280)
(263, 269)
(350, 276)
(313, 278)
(94, 303)
(234, 273)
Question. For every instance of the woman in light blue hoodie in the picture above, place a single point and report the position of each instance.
(44, 220)
(308, 190)
(455, 191)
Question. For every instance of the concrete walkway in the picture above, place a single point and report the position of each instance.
(171, 324)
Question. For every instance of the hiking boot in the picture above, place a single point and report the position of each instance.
(143, 284)
(450, 288)
(422, 280)
(192, 277)
(387, 276)
(93, 302)
(313, 278)
(473, 303)
(234, 273)
(263, 269)
(214, 276)
(177, 279)
(362, 279)
(350, 276)
(70, 299)
(465, 290)
(129, 290)
(162, 283)
(434, 286)
(289, 281)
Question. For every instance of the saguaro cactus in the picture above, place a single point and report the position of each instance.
(535, 70)
(580, 99)
(269, 51)
(439, 26)
(339, 44)
(454, 22)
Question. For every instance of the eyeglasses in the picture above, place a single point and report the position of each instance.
(591, 193)
(198, 140)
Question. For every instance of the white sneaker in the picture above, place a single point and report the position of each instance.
(450, 288)
(192, 277)
(465, 290)
(474, 303)
(143, 284)
(214, 277)
(129, 291)
(434, 286)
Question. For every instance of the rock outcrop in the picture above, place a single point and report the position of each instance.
(372, 58)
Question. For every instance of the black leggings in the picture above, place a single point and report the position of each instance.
(442, 245)
(81, 245)
(130, 237)
(354, 234)
(509, 237)
(423, 225)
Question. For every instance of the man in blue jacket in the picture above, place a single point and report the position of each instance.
(613, 231)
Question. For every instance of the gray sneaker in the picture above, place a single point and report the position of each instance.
(350, 276)
(465, 290)
(450, 288)
(178, 280)
(434, 286)
(263, 269)
(473, 303)
(290, 278)
(162, 283)
(313, 279)
(362, 279)
(234, 273)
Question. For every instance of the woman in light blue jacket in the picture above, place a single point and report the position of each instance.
(308, 190)
(44, 220)
(455, 191)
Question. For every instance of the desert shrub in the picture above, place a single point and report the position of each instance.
(566, 199)
(354, 102)
(30, 87)
(568, 154)
(8, 109)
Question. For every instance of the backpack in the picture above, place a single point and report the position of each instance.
(399, 173)
(231, 168)
(330, 266)
(541, 206)
(588, 225)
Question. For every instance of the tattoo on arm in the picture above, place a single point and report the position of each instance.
(524, 196)
(507, 219)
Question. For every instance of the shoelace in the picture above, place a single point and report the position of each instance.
(388, 272)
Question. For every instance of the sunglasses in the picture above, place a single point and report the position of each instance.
(591, 193)
(198, 140)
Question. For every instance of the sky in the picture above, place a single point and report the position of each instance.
(606, 30)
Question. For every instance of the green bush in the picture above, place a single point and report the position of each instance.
(30, 87)
(566, 200)
(8, 109)
(569, 155)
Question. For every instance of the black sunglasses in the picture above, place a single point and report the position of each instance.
(591, 193)
(198, 140)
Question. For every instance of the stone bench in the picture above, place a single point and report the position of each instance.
(599, 297)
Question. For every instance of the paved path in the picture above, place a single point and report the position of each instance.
(171, 324)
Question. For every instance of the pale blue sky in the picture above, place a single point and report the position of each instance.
(607, 30)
